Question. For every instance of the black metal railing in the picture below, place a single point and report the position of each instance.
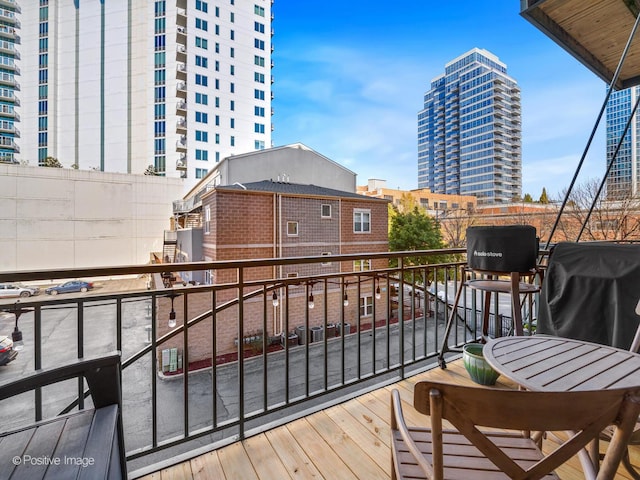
(248, 367)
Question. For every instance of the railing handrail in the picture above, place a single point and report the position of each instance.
(416, 297)
(48, 274)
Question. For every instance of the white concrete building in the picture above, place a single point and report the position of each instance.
(117, 86)
(64, 218)
(295, 163)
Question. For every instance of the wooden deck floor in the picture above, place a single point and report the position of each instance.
(347, 441)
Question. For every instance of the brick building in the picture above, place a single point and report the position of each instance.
(270, 219)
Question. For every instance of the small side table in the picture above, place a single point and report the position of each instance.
(513, 286)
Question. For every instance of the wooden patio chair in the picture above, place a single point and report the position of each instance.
(608, 432)
(466, 452)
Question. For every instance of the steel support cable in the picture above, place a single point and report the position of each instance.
(595, 127)
(606, 173)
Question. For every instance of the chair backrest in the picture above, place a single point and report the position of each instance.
(584, 412)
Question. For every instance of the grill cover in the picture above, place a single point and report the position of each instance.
(510, 248)
(591, 292)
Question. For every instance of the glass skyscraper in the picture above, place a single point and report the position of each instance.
(469, 131)
(9, 38)
(623, 177)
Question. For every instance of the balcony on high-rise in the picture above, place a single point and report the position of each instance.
(181, 90)
(9, 79)
(181, 71)
(181, 53)
(181, 35)
(181, 17)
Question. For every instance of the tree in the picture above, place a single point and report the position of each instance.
(407, 202)
(415, 230)
(543, 196)
(454, 224)
(527, 198)
(610, 219)
(51, 162)
(151, 170)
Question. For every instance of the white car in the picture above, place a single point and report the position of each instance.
(17, 290)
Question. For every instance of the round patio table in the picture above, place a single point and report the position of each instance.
(541, 362)
(546, 363)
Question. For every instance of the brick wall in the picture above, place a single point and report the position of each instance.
(242, 227)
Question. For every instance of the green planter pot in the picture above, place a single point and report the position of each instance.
(478, 368)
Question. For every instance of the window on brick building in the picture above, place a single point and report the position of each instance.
(361, 265)
(207, 219)
(325, 211)
(366, 305)
(326, 254)
(361, 221)
(292, 229)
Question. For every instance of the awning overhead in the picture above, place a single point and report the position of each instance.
(594, 31)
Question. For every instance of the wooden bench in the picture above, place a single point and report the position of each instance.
(88, 444)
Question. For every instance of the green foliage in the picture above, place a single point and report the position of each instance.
(151, 170)
(51, 162)
(543, 196)
(415, 230)
(527, 198)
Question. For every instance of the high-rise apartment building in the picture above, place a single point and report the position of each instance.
(469, 131)
(9, 38)
(120, 86)
(624, 176)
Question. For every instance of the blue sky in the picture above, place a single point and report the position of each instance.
(350, 76)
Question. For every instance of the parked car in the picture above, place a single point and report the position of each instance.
(70, 286)
(7, 353)
(17, 290)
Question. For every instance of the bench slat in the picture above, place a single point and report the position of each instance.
(40, 449)
(99, 446)
(70, 446)
(11, 447)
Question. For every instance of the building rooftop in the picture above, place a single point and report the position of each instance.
(294, 189)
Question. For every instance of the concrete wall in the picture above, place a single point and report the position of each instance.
(190, 249)
(294, 163)
(65, 218)
(297, 163)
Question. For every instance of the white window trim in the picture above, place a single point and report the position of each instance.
(359, 265)
(290, 223)
(366, 302)
(361, 212)
(207, 219)
(322, 215)
(325, 254)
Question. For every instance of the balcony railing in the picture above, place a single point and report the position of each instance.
(264, 340)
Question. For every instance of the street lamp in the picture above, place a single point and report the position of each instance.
(172, 313)
(16, 335)
(311, 302)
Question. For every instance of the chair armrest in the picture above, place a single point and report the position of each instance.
(401, 426)
(102, 375)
